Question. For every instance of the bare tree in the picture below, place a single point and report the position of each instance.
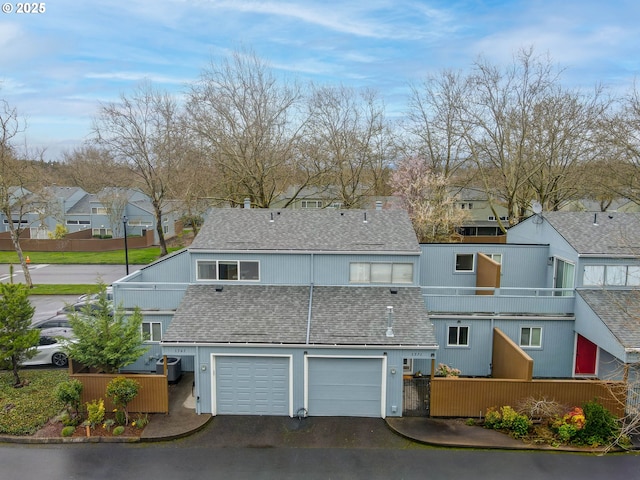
(93, 169)
(14, 179)
(349, 141)
(248, 122)
(140, 131)
(499, 121)
(434, 126)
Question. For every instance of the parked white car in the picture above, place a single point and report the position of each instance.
(56, 326)
(49, 352)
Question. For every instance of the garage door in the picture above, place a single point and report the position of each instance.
(345, 387)
(251, 386)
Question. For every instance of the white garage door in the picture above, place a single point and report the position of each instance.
(251, 385)
(345, 387)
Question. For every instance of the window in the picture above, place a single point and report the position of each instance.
(614, 275)
(311, 204)
(458, 336)
(152, 331)
(227, 270)
(563, 277)
(496, 257)
(364, 272)
(78, 222)
(101, 232)
(100, 211)
(465, 262)
(531, 337)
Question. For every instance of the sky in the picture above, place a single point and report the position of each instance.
(58, 65)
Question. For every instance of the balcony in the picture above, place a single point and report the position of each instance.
(499, 301)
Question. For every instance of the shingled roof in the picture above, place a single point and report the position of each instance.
(325, 230)
(619, 310)
(606, 233)
(267, 314)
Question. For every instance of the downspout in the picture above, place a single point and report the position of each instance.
(312, 279)
(309, 314)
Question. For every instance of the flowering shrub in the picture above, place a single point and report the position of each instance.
(446, 371)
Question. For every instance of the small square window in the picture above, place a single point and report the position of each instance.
(531, 337)
(458, 336)
(464, 262)
(152, 331)
(206, 270)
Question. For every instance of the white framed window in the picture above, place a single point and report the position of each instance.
(458, 336)
(152, 331)
(102, 232)
(380, 272)
(228, 270)
(531, 337)
(311, 204)
(563, 277)
(465, 262)
(100, 211)
(496, 257)
(613, 275)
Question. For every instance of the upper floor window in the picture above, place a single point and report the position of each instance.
(531, 337)
(496, 257)
(78, 222)
(492, 218)
(364, 272)
(465, 206)
(458, 336)
(152, 331)
(227, 270)
(465, 262)
(100, 210)
(311, 204)
(613, 275)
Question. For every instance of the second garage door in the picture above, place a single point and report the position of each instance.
(251, 385)
(345, 387)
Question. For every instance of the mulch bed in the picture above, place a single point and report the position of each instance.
(53, 428)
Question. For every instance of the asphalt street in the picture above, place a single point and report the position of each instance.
(67, 274)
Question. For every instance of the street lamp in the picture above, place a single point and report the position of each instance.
(126, 249)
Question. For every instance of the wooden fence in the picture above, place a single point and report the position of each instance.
(153, 396)
(471, 397)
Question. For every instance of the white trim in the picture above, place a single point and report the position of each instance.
(212, 367)
(383, 383)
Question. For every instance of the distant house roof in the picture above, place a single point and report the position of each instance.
(301, 230)
(619, 310)
(598, 233)
(268, 314)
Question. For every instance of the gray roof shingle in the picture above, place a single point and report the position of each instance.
(619, 310)
(300, 230)
(279, 315)
(614, 233)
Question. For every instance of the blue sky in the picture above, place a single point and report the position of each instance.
(57, 66)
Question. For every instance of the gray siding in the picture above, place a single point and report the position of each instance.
(303, 269)
(437, 265)
(474, 360)
(202, 359)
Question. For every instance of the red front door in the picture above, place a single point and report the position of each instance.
(586, 353)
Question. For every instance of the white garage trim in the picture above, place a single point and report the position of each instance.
(383, 377)
(214, 402)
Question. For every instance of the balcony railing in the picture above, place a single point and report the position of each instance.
(506, 300)
(149, 296)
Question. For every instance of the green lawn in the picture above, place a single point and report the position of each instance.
(25, 410)
(138, 256)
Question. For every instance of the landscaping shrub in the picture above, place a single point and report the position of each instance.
(122, 390)
(68, 431)
(508, 419)
(69, 393)
(119, 430)
(600, 425)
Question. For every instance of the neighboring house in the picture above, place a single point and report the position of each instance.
(483, 221)
(323, 311)
(102, 213)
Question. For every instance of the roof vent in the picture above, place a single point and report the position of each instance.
(219, 288)
(365, 217)
(595, 219)
(390, 321)
(393, 291)
(271, 220)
